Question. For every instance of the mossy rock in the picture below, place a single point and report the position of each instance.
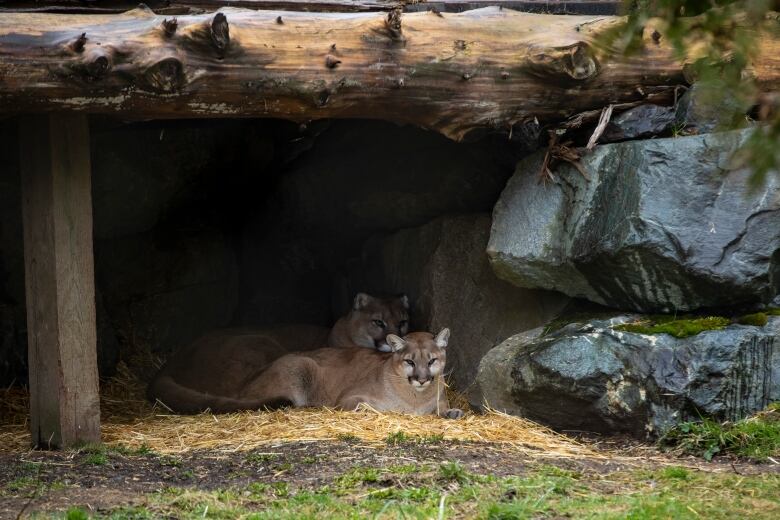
(679, 328)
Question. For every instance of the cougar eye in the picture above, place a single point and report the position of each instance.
(380, 324)
(432, 361)
(409, 362)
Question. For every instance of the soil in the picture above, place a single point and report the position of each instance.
(47, 481)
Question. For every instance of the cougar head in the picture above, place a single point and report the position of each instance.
(420, 356)
(372, 319)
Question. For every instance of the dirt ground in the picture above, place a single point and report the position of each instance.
(99, 481)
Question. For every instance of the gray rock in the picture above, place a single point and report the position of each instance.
(590, 377)
(639, 122)
(706, 108)
(443, 269)
(663, 225)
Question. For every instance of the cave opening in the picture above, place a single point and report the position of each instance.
(211, 224)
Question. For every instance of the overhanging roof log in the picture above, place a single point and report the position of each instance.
(448, 72)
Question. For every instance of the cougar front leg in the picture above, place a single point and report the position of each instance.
(443, 406)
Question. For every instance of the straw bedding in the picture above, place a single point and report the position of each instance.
(130, 421)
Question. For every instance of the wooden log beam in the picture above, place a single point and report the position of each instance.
(453, 73)
(590, 7)
(59, 278)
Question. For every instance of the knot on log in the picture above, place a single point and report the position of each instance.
(96, 64)
(393, 23)
(91, 64)
(571, 63)
(220, 32)
(169, 27)
(165, 76)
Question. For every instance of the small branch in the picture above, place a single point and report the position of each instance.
(606, 114)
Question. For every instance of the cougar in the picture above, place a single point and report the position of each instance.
(406, 379)
(222, 362)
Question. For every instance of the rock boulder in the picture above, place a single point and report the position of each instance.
(587, 376)
(662, 225)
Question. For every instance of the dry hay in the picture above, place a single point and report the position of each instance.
(130, 421)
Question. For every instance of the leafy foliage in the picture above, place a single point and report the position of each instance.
(718, 40)
(757, 437)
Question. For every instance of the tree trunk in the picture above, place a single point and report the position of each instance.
(449, 72)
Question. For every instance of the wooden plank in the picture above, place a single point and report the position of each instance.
(59, 280)
(590, 7)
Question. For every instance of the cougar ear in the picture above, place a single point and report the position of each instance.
(442, 338)
(395, 342)
(361, 301)
(404, 299)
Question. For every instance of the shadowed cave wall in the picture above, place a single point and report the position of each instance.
(206, 224)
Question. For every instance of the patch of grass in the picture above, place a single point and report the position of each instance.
(679, 328)
(675, 473)
(76, 513)
(756, 437)
(347, 437)
(758, 319)
(21, 484)
(773, 311)
(543, 492)
(454, 471)
(309, 460)
(398, 438)
(96, 459)
(354, 478)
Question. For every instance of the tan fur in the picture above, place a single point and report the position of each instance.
(222, 362)
(369, 322)
(406, 380)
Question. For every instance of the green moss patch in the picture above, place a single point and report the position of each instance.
(757, 437)
(679, 328)
(758, 319)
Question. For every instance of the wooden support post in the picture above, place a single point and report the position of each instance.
(60, 281)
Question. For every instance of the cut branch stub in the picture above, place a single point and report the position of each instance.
(393, 24)
(165, 75)
(576, 62)
(331, 62)
(78, 44)
(220, 32)
(169, 27)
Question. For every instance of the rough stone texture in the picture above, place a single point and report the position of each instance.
(590, 377)
(663, 225)
(638, 123)
(443, 269)
(704, 109)
(359, 178)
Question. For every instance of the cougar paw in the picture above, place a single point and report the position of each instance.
(453, 413)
